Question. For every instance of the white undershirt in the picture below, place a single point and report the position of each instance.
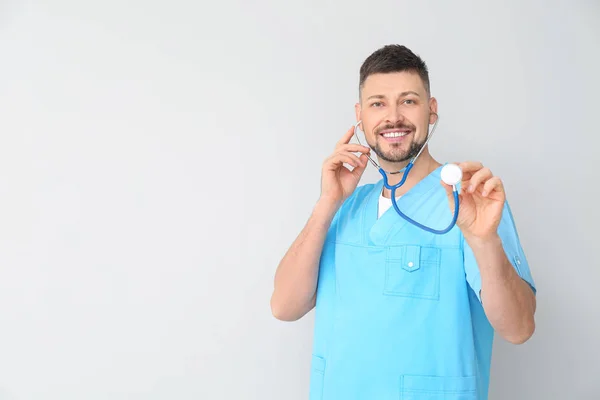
(384, 204)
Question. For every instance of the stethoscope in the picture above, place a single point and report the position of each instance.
(451, 175)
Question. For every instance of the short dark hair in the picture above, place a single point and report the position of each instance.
(394, 58)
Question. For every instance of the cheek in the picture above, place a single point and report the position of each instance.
(367, 127)
(365, 132)
(371, 123)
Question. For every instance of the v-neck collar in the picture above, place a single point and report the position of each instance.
(377, 231)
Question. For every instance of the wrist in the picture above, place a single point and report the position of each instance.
(490, 241)
(326, 208)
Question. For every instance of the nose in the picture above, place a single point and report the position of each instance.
(394, 116)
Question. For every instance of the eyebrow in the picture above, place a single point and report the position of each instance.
(380, 96)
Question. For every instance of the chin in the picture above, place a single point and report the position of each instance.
(396, 154)
(395, 158)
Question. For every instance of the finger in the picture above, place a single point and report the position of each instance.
(493, 184)
(470, 166)
(358, 171)
(352, 156)
(337, 159)
(467, 168)
(347, 137)
(356, 148)
(478, 178)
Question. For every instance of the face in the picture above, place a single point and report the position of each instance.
(396, 112)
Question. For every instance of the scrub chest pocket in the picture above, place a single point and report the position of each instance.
(412, 271)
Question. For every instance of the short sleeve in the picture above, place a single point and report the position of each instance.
(507, 231)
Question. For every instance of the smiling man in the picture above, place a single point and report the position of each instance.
(402, 313)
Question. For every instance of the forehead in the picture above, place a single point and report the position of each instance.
(393, 83)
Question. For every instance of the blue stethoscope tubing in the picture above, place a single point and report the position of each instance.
(406, 217)
(406, 170)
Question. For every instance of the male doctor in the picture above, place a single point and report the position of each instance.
(402, 313)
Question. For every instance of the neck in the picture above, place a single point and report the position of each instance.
(424, 166)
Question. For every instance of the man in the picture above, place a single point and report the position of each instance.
(402, 313)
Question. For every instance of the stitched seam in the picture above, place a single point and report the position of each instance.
(443, 246)
(439, 391)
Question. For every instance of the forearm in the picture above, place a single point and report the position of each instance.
(507, 299)
(297, 274)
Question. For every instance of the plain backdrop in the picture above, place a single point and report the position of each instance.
(158, 158)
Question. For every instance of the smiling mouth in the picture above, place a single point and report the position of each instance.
(395, 134)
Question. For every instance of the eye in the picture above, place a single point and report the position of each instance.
(409, 101)
(376, 104)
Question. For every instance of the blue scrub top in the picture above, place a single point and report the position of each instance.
(398, 312)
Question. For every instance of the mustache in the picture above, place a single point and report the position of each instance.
(400, 125)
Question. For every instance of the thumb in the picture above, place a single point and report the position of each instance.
(447, 187)
(450, 193)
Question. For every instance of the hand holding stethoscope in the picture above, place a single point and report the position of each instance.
(337, 181)
(481, 198)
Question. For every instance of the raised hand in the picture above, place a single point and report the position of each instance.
(337, 181)
(481, 200)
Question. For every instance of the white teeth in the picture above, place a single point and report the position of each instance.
(395, 134)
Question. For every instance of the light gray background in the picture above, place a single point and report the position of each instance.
(158, 158)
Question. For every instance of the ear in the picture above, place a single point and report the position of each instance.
(357, 111)
(433, 109)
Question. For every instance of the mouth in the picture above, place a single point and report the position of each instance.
(395, 135)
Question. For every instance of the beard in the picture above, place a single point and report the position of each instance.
(395, 153)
